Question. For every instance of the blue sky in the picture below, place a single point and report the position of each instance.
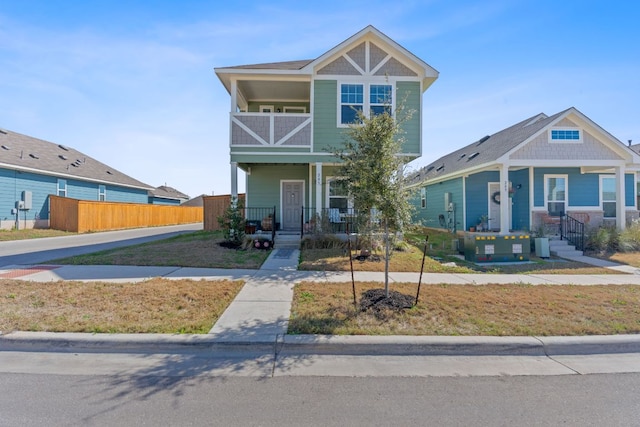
(132, 83)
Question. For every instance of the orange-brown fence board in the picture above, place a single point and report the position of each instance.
(84, 215)
(214, 207)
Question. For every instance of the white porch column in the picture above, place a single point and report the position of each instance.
(318, 188)
(234, 180)
(621, 216)
(505, 201)
(234, 96)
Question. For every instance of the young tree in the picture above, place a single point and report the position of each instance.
(372, 171)
(233, 223)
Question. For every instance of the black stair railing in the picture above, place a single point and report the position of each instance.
(572, 231)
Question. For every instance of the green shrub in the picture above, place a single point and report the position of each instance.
(629, 239)
(598, 239)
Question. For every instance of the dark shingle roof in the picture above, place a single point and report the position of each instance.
(287, 65)
(484, 151)
(166, 192)
(22, 152)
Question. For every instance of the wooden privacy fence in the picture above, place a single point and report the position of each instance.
(214, 206)
(85, 215)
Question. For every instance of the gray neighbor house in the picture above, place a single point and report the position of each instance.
(31, 169)
(544, 167)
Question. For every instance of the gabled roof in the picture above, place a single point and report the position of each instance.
(428, 73)
(25, 153)
(166, 192)
(307, 67)
(488, 150)
(635, 147)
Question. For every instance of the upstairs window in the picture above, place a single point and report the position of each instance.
(62, 188)
(102, 193)
(380, 98)
(565, 135)
(351, 101)
(370, 99)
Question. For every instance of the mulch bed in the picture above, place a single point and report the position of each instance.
(375, 300)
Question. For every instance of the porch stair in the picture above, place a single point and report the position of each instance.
(562, 249)
(287, 241)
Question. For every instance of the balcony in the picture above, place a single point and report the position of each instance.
(271, 130)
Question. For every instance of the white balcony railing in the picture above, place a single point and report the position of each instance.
(270, 130)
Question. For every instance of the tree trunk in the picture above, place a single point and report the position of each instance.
(386, 259)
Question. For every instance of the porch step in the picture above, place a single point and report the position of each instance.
(562, 249)
(287, 241)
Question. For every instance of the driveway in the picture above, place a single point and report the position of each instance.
(36, 251)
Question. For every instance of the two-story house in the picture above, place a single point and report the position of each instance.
(286, 118)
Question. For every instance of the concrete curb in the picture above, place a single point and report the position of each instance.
(326, 344)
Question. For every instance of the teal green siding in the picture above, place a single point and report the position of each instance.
(326, 133)
(583, 188)
(435, 215)
(409, 93)
(263, 185)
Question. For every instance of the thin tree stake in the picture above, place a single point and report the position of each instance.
(424, 255)
(353, 283)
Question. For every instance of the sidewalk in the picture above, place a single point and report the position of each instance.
(259, 315)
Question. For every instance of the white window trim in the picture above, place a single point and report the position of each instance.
(328, 192)
(102, 193)
(266, 107)
(423, 198)
(366, 95)
(566, 141)
(566, 191)
(61, 191)
(600, 195)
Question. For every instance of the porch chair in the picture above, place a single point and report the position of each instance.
(336, 220)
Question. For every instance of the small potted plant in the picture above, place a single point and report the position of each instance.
(483, 223)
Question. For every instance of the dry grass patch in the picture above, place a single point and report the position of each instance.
(154, 306)
(629, 258)
(31, 233)
(199, 249)
(496, 310)
(407, 260)
(411, 260)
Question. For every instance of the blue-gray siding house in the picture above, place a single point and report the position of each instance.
(31, 169)
(165, 195)
(543, 166)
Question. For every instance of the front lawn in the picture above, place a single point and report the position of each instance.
(497, 310)
(198, 249)
(154, 306)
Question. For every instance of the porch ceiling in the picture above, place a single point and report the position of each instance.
(274, 90)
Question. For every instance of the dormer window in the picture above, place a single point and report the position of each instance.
(565, 135)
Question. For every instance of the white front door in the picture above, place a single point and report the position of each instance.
(494, 206)
(292, 196)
